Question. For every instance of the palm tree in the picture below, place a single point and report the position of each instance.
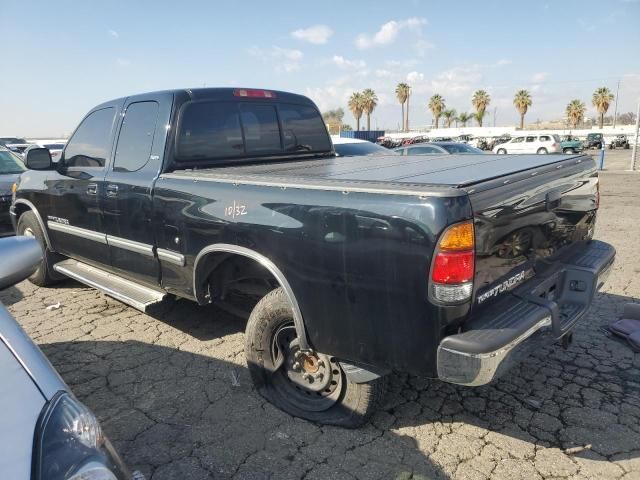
(479, 116)
(369, 103)
(575, 112)
(480, 101)
(402, 94)
(436, 105)
(449, 116)
(356, 106)
(522, 102)
(464, 117)
(601, 99)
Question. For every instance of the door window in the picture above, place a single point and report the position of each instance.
(531, 139)
(517, 140)
(136, 137)
(423, 150)
(545, 138)
(89, 146)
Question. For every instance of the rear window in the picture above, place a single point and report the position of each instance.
(545, 138)
(218, 130)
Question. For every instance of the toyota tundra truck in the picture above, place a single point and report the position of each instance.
(348, 268)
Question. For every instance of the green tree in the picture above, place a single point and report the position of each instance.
(575, 112)
(449, 116)
(437, 106)
(602, 99)
(356, 106)
(464, 118)
(522, 101)
(370, 102)
(333, 119)
(480, 102)
(402, 94)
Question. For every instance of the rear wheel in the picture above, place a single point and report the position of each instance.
(309, 385)
(542, 151)
(29, 227)
(569, 150)
(501, 151)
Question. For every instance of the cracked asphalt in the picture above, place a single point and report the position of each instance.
(174, 395)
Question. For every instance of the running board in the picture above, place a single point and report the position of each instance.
(126, 291)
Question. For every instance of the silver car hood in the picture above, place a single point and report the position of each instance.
(27, 383)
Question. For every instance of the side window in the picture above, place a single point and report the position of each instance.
(517, 140)
(545, 138)
(136, 137)
(531, 139)
(261, 129)
(89, 146)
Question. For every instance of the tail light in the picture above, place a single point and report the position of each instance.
(453, 265)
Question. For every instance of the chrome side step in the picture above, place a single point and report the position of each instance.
(126, 291)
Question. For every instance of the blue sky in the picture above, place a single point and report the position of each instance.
(66, 56)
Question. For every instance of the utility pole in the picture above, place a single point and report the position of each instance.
(495, 110)
(615, 110)
(635, 141)
(407, 113)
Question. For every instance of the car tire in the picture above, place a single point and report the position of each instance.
(277, 369)
(569, 151)
(29, 226)
(598, 146)
(501, 151)
(542, 151)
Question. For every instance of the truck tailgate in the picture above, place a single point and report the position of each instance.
(524, 220)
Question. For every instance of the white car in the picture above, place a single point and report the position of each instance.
(348, 147)
(536, 143)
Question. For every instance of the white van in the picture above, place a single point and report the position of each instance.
(538, 143)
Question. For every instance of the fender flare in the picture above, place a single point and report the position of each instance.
(271, 267)
(32, 207)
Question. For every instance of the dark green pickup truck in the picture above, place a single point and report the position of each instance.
(571, 144)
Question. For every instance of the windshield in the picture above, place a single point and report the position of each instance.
(9, 163)
(11, 140)
(54, 146)
(460, 148)
(364, 148)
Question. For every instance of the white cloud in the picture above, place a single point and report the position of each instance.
(289, 54)
(316, 34)
(331, 96)
(389, 32)
(344, 63)
(414, 77)
(123, 62)
(113, 33)
(422, 46)
(540, 77)
(382, 73)
(503, 62)
(282, 59)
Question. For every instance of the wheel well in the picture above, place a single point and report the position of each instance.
(19, 209)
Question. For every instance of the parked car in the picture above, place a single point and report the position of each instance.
(619, 141)
(594, 140)
(540, 144)
(11, 166)
(571, 144)
(54, 146)
(47, 433)
(438, 148)
(352, 268)
(348, 147)
(11, 140)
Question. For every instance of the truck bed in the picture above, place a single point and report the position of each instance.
(384, 174)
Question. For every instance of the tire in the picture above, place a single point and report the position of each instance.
(44, 276)
(270, 349)
(569, 151)
(598, 146)
(501, 151)
(542, 151)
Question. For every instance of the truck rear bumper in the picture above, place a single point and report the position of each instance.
(539, 312)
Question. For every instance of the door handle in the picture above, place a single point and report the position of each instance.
(92, 189)
(112, 190)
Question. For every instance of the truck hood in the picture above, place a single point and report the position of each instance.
(434, 170)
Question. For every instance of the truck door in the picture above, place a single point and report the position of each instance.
(128, 206)
(75, 221)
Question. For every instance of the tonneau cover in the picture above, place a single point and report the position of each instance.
(399, 171)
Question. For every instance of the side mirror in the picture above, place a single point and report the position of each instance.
(19, 258)
(38, 159)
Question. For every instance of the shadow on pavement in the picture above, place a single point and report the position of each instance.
(191, 411)
(11, 295)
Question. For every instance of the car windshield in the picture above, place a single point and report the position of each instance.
(364, 148)
(10, 164)
(460, 148)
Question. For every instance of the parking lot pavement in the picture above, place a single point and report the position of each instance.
(174, 394)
